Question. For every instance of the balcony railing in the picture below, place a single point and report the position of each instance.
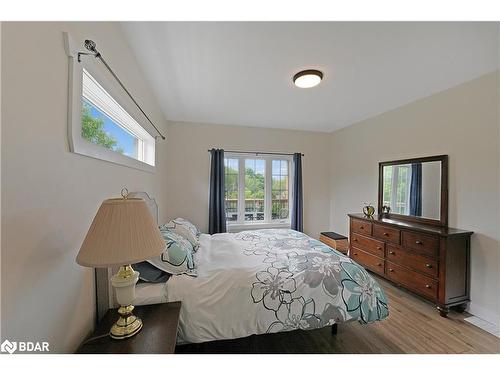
(254, 209)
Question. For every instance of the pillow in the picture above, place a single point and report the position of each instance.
(186, 229)
(150, 273)
(177, 257)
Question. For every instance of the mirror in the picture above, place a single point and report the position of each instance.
(414, 189)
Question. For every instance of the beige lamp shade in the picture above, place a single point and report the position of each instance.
(123, 232)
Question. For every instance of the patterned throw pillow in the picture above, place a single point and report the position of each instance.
(186, 229)
(177, 258)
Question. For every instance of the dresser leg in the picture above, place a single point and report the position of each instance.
(460, 308)
(335, 328)
(443, 311)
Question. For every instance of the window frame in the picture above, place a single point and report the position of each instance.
(268, 222)
(80, 145)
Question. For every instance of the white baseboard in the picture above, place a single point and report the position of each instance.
(484, 319)
(484, 325)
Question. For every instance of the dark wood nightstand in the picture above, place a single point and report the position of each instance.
(158, 336)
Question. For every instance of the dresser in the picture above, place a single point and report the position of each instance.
(431, 261)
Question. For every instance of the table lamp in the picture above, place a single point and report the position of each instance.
(122, 233)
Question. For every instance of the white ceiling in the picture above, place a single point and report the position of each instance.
(239, 73)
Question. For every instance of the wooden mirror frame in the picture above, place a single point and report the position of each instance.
(443, 219)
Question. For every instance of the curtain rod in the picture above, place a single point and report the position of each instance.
(91, 46)
(258, 153)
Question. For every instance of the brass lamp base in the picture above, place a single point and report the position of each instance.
(124, 283)
(127, 325)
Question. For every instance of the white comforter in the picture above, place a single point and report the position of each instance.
(268, 281)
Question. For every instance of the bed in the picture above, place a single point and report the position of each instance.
(266, 281)
(271, 280)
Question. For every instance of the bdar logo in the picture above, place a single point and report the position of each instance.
(8, 346)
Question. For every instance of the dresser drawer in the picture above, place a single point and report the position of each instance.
(386, 233)
(368, 261)
(360, 226)
(411, 260)
(420, 242)
(368, 244)
(412, 280)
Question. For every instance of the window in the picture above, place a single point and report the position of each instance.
(101, 123)
(257, 189)
(100, 129)
(107, 124)
(397, 188)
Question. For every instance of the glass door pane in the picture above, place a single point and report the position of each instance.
(255, 171)
(279, 190)
(231, 173)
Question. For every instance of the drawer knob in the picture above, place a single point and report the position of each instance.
(418, 242)
(385, 234)
(391, 270)
(355, 239)
(379, 248)
(379, 264)
(361, 227)
(355, 253)
(392, 252)
(428, 286)
(428, 265)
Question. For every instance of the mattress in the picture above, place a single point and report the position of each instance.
(150, 293)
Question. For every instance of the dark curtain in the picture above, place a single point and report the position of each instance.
(416, 190)
(216, 212)
(297, 202)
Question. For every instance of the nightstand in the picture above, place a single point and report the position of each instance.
(158, 336)
(337, 241)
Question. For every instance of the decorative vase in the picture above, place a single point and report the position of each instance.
(368, 210)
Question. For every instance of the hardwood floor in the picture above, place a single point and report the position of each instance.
(413, 326)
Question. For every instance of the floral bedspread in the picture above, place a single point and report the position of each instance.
(271, 280)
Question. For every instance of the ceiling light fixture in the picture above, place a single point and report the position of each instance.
(307, 78)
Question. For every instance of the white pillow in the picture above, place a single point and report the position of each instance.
(186, 229)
